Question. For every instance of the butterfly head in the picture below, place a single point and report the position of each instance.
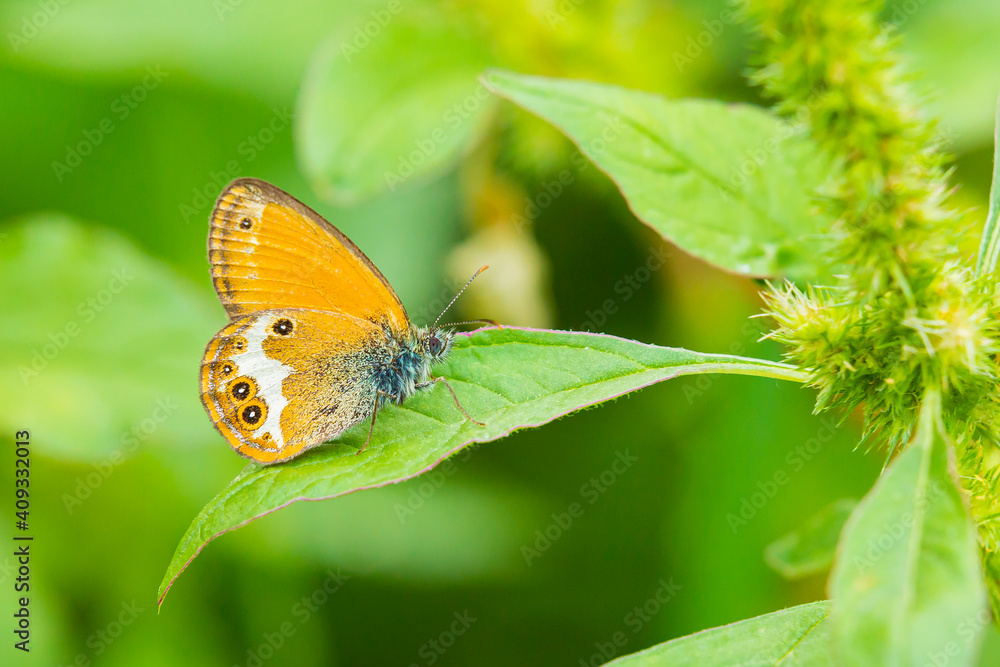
(435, 342)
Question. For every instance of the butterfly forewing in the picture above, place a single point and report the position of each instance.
(268, 250)
(280, 381)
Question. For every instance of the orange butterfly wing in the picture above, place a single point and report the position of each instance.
(278, 382)
(269, 250)
(274, 393)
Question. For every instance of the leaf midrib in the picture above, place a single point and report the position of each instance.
(903, 610)
(802, 638)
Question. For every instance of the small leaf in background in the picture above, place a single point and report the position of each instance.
(907, 586)
(370, 121)
(795, 637)
(509, 378)
(989, 247)
(110, 363)
(731, 184)
(810, 548)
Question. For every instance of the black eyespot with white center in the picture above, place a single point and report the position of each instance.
(251, 414)
(241, 390)
(227, 369)
(282, 327)
(246, 223)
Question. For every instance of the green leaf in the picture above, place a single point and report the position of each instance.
(731, 184)
(509, 378)
(907, 585)
(371, 121)
(102, 344)
(810, 548)
(799, 636)
(989, 247)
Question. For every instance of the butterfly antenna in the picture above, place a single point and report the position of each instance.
(492, 323)
(474, 276)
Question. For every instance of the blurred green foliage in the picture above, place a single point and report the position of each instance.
(188, 89)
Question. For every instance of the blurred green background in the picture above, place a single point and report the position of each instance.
(121, 121)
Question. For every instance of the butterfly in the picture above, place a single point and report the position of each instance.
(317, 340)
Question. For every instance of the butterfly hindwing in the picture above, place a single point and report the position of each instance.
(277, 382)
(268, 251)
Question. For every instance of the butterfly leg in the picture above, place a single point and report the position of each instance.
(453, 395)
(371, 429)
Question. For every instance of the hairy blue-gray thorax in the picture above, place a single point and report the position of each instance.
(409, 361)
